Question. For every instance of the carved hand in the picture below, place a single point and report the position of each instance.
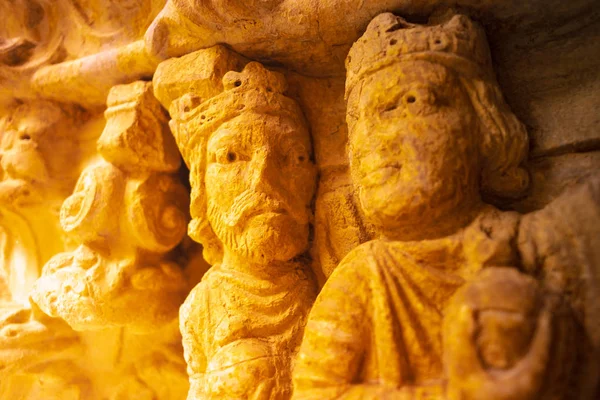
(468, 379)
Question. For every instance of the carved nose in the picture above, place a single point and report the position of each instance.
(264, 174)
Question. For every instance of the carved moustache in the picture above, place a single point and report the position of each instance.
(251, 203)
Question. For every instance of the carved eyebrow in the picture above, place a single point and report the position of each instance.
(220, 137)
(234, 139)
(398, 94)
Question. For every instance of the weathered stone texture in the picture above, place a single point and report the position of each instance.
(299, 199)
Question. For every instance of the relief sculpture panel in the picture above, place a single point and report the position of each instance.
(299, 199)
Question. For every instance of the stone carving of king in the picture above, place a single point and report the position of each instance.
(253, 179)
(443, 304)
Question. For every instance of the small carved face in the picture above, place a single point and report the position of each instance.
(20, 156)
(413, 153)
(35, 144)
(259, 184)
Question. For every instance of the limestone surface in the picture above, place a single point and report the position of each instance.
(311, 199)
(438, 306)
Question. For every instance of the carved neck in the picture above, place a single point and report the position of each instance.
(268, 269)
(445, 225)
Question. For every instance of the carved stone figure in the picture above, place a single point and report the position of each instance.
(438, 306)
(250, 158)
(122, 286)
(35, 139)
(451, 298)
(32, 167)
(127, 212)
(38, 357)
(38, 354)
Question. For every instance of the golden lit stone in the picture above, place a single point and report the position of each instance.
(277, 199)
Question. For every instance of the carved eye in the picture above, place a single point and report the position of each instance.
(390, 107)
(420, 101)
(188, 102)
(227, 156)
(297, 157)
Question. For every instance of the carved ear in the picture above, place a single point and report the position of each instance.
(201, 231)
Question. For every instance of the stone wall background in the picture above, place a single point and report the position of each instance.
(546, 55)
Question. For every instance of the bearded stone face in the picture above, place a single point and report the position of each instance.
(259, 182)
(413, 147)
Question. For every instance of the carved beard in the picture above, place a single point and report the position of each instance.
(262, 238)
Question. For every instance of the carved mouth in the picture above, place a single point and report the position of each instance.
(259, 212)
(253, 205)
(382, 173)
